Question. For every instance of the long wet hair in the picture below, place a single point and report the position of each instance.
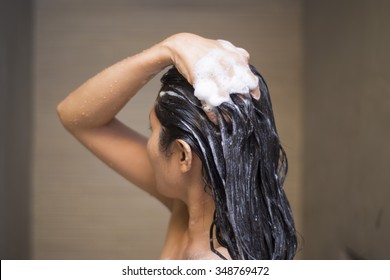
(244, 166)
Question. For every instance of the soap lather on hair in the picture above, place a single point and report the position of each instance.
(215, 81)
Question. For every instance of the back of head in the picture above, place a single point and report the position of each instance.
(244, 166)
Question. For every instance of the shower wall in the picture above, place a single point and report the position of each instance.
(346, 130)
(82, 209)
(15, 128)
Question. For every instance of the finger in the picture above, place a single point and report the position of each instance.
(256, 93)
(227, 45)
(244, 53)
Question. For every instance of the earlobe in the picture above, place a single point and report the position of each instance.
(185, 155)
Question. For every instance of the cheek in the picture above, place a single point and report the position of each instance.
(152, 149)
(153, 141)
(164, 171)
(149, 148)
(156, 158)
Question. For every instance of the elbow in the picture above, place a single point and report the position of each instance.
(64, 116)
(60, 112)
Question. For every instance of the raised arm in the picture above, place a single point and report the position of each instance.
(89, 114)
(89, 111)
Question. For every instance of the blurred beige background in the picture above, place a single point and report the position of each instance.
(325, 62)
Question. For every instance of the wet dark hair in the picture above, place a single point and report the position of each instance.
(244, 166)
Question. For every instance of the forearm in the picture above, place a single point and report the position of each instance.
(98, 100)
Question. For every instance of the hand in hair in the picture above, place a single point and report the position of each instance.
(89, 112)
(212, 65)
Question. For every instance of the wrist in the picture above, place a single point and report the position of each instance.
(167, 51)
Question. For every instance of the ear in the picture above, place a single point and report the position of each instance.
(185, 155)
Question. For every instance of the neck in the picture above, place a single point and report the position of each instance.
(200, 205)
(201, 211)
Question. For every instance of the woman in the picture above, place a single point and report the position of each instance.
(214, 157)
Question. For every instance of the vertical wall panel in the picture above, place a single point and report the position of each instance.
(15, 128)
(346, 126)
